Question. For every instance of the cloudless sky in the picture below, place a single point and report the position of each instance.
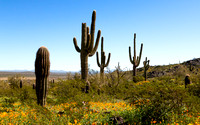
(169, 30)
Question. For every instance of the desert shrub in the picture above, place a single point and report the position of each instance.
(4, 88)
(138, 78)
(67, 90)
(94, 80)
(24, 96)
(180, 73)
(194, 89)
(77, 76)
(195, 78)
(163, 99)
(8, 101)
(14, 81)
(165, 79)
(69, 76)
(117, 91)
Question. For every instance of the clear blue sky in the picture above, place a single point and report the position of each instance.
(169, 30)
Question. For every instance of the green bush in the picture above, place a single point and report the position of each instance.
(163, 99)
(194, 89)
(67, 90)
(14, 81)
(138, 78)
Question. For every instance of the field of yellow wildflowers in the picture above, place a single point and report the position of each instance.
(146, 102)
(70, 113)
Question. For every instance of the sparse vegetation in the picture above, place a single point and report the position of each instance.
(161, 100)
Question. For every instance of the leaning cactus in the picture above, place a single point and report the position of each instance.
(146, 67)
(42, 68)
(87, 48)
(135, 61)
(103, 63)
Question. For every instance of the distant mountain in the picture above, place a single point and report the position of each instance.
(16, 71)
(52, 71)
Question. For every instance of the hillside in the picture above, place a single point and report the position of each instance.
(191, 67)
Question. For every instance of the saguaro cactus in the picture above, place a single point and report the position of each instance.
(33, 85)
(87, 48)
(146, 67)
(187, 80)
(135, 61)
(20, 84)
(103, 63)
(42, 68)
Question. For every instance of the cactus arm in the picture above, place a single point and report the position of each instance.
(134, 47)
(97, 55)
(148, 64)
(96, 44)
(102, 44)
(139, 57)
(88, 38)
(84, 36)
(92, 30)
(140, 52)
(108, 60)
(76, 46)
(103, 57)
(131, 60)
(88, 41)
(88, 30)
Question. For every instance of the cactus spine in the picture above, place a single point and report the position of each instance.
(42, 68)
(103, 63)
(135, 61)
(146, 67)
(87, 48)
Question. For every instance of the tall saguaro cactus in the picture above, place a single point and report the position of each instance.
(135, 61)
(42, 68)
(103, 63)
(146, 67)
(87, 46)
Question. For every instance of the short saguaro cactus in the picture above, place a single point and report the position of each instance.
(146, 67)
(187, 80)
(42, 68)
